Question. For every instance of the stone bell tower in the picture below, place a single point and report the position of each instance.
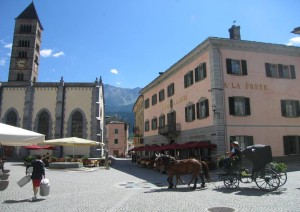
(25, 55)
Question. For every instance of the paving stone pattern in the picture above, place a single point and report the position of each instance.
(128, 187)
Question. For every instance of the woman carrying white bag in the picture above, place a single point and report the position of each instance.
(37, 175)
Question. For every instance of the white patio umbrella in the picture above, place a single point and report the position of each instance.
(71, 141)
(15, 136)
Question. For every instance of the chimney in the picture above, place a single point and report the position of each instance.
(234, 32)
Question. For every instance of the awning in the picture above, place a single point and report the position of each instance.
(189, 145)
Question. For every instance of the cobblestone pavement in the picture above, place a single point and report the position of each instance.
(128, 187)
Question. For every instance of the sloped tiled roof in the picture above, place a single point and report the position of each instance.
(30, 13)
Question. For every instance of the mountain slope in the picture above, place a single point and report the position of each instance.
(120, 102)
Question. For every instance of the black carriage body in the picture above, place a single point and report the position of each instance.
(259, 155)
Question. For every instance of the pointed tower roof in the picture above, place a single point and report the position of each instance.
(30, 13)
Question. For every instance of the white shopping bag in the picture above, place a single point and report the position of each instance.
(45, 187)
(24, 181)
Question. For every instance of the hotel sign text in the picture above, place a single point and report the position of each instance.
(247, 86)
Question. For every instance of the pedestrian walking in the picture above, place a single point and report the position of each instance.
(38, 174)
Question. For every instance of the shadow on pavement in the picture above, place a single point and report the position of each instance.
(181, 189)
(3, 185)
(146, 174)
(251, 191)
(23, 200)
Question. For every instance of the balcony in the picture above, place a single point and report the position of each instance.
(170, 130)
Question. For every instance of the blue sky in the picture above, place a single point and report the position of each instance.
(128, 42)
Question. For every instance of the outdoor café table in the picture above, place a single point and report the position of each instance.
(94, 161)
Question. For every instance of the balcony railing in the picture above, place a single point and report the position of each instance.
(170, 129)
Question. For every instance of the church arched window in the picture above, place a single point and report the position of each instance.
(11, 118)
(43, 124)
(77, 125)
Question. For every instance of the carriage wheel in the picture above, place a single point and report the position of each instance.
(231, 181)
(267, 180)
(282, 178)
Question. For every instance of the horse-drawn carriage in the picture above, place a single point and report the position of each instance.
(263, 173)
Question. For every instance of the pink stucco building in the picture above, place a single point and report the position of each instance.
(225, 90)
(117, 138)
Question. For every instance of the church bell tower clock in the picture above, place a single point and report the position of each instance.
(25, 54)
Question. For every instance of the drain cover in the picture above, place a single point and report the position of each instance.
(220, 209)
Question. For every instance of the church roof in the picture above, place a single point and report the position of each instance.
(30, 13)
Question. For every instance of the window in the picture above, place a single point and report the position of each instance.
(154, 123)
(280, 71)
(161, 95)
(200, 72)
(154, 99)
(236, 67)
(244, 141)
(24, 43)
(77, 125)
(171, 90)
(116, 141)
(25, 28)
(116, 131)
(22, 54)
(43, 124)
(162, 121)
(11, 118)
(290, 108)
(36, 59)
(146, 103)
(202, 108)
(188, 79)
(20, 77)
(190, 113)
(39, 33)
(37, 47)
(291, 145)
(147, 126)
(239, 106)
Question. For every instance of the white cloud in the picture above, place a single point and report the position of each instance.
(8, 46)
(118, 83)
(2, 62)
(114, 71)
(58, 54)
(294, 41)
(46, 52)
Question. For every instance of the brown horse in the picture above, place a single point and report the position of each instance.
(182, 167)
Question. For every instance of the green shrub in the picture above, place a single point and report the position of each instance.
(281, 167)
(29, 159)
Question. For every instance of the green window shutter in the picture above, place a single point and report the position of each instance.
(198, 110)
(185, 80)
(193, 112)
(244, 67)
(186, 114)
(206, 108)
(280, 70)
(297, 109)
(293, 72)
(247, 106)
(268, 71)
(231, 105)
(192, 77)
(197, 74)
(283, 111)
(228, 65)
(204, 70)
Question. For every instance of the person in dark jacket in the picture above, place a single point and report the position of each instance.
(38, 174)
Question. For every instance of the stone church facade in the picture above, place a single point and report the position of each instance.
(55, 109)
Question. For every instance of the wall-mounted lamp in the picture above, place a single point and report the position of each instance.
(214, 108)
